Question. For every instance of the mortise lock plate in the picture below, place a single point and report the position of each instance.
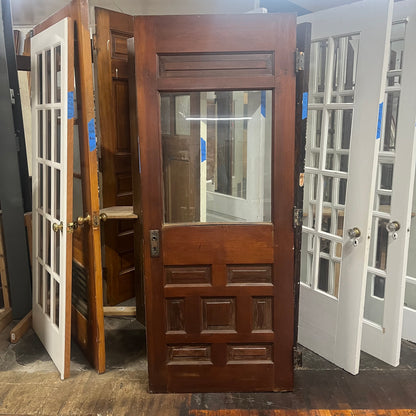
(154, 243)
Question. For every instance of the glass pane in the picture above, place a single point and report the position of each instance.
(410, 295)
(40, 186)
(326, 219)
(58, 136)
(165, 111)
(396, 54)
(58, 74)
(374, 305)
(337, 273)
(319, 51)
(306, 258)
(48, 190)
(40, 79)
(57, 249)
(48, 227)
(325, 245)
(40, 285)
(48, 76)
(327, 195)
(345, 66)
(340, 222)
(342, 191)
(58, 194)
(313, 134)
(379, 244)
(40, 237)
(206, 163)
(48, 294)
(48, 135)
(40, 134)
(182, 114)
(411, 258)
(390, 123)
(56, 299)
(323, 275)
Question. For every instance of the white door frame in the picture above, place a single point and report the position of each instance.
(52, 251)
(383, 339)
(329, 325)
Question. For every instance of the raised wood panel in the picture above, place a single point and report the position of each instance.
(192, 275)
(262, 313)
(217, 244)
(254, 352)
(175, 315)
(187, 354)
(119, 45)
(253, 274)
(218, 314)
(215, 65)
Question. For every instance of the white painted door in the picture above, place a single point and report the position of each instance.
(52, 134)
(391, 219)
(349, 54)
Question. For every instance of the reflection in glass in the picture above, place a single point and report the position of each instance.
(410, 294)
(379, 244)
(390, 124)
(56, 302)
(40, 78)
(58, 136)
(323, 275)
(48, 294)
(217, 163)
(374, 304)
(48, 76)
(57, 74)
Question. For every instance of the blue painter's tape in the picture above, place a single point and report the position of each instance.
(91, 135)
(70, 105)
(203, 150)
(263, 103)
(304, 105)
(380, 116)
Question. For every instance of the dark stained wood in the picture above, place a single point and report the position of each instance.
(212, 321)
(112, 31)
(87, 240)
(303, 44)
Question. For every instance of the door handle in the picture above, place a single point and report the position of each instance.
(57, 227)
(392, 227)
(354, 234)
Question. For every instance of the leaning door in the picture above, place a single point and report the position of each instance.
(219, 289)
(52, 84)
(343, 113)
(392, 209)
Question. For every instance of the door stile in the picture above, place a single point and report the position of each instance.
(282, 217)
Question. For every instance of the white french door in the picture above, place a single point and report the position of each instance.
(349, 54)
(52, 133)
(391, 215)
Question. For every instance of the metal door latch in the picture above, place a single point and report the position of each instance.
(354, 234)
(154, 243)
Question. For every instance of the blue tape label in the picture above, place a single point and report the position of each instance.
(203, 150)
(70, 105)
(380, 117)
(91, 135)
(263, 103)
(304, 105)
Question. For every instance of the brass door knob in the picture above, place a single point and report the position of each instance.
(103, 217)
(57, 227)
(84, 220)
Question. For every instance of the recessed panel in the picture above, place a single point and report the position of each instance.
(175, 315)
(256, 275)
(255, 352)
(218, 314)
(262, 313)
(188, 275)
(189, 354)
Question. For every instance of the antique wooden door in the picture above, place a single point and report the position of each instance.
(52, 71)
(219, 291)
(344, 111)
(392, 210)
(112, 31)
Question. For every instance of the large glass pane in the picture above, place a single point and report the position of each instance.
(410, 294)
(379, 244)
(390, 124)
(208, 176)
(58, 74)
(374, 299)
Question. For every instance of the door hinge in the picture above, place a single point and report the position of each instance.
(12, 97)
(299, 60)
(297, 358)
(297, 217)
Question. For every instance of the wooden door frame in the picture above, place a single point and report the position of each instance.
(78, 11)
(283, 125)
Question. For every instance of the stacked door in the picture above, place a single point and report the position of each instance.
(392, 208)
(343, 113)
(52, 115)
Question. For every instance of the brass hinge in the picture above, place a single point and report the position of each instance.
(297, 217)
(299, 60)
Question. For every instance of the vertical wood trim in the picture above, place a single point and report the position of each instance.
(303, 43)
(284, 155)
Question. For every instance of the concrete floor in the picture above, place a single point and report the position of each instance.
(30, 383)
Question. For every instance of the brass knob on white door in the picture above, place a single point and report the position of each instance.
(354, 234)
(57, 227)
(393, 226)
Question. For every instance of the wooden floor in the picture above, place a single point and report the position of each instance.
(30, 385)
